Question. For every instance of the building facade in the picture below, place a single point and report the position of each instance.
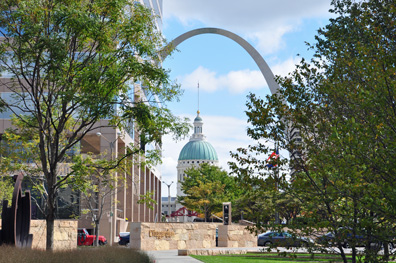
(168, 205)
(123, 206)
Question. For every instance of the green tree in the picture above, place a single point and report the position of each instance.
(73, 63)
(255, 206)
(261, 200)
(336, 116)
(206, 188)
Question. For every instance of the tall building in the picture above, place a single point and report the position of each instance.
(123, 207)
(197, 151)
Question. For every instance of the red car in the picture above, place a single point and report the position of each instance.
(85, 239)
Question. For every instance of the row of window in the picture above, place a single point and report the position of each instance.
(198, 162)
(168, 206)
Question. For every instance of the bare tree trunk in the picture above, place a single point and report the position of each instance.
(344, 258)
(207, 215)
(51, 209)
(50, 219)
(354, 254)
(96, 241)
(386, 250)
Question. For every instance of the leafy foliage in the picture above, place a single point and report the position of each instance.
(148, 200)
(206, 188)
(70, 64)
(336, 117)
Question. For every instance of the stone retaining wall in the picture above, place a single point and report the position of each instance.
(212, 251)
(65, 234)
(236, 236)
(165, 236)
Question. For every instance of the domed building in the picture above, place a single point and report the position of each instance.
(194, 153)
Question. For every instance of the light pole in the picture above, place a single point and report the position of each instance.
(99, 134)
(112, 195)
(169, 209)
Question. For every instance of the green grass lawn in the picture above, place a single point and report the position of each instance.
(268, 258)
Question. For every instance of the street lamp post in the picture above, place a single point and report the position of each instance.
(112, 213)
(169, 207)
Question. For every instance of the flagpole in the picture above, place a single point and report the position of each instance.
(276, 175)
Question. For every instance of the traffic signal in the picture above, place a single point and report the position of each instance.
(227, 213)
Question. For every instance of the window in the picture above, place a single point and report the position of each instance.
(13, 99)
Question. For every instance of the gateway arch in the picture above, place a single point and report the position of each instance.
(263, 66)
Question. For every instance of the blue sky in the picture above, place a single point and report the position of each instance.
(278, 29)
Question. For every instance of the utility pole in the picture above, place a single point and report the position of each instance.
(113, 206)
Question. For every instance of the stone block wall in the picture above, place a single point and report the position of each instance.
(236, 236)
(65, 234)
(165, 236)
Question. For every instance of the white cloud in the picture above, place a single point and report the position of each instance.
(236, 82)
(168, 171)
(208, 80)
(285, 67)
(264, 22)
(240, 81)
(269, 40)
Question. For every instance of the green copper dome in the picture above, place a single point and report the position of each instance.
(198, 150)
(198, 118)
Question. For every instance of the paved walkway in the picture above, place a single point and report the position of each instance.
(170, 256)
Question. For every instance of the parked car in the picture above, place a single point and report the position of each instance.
(345, 237)
(123, 238)
(85, 239)
(326, 239)
(282, 239)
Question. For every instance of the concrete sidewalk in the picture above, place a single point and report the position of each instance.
(170, 256)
